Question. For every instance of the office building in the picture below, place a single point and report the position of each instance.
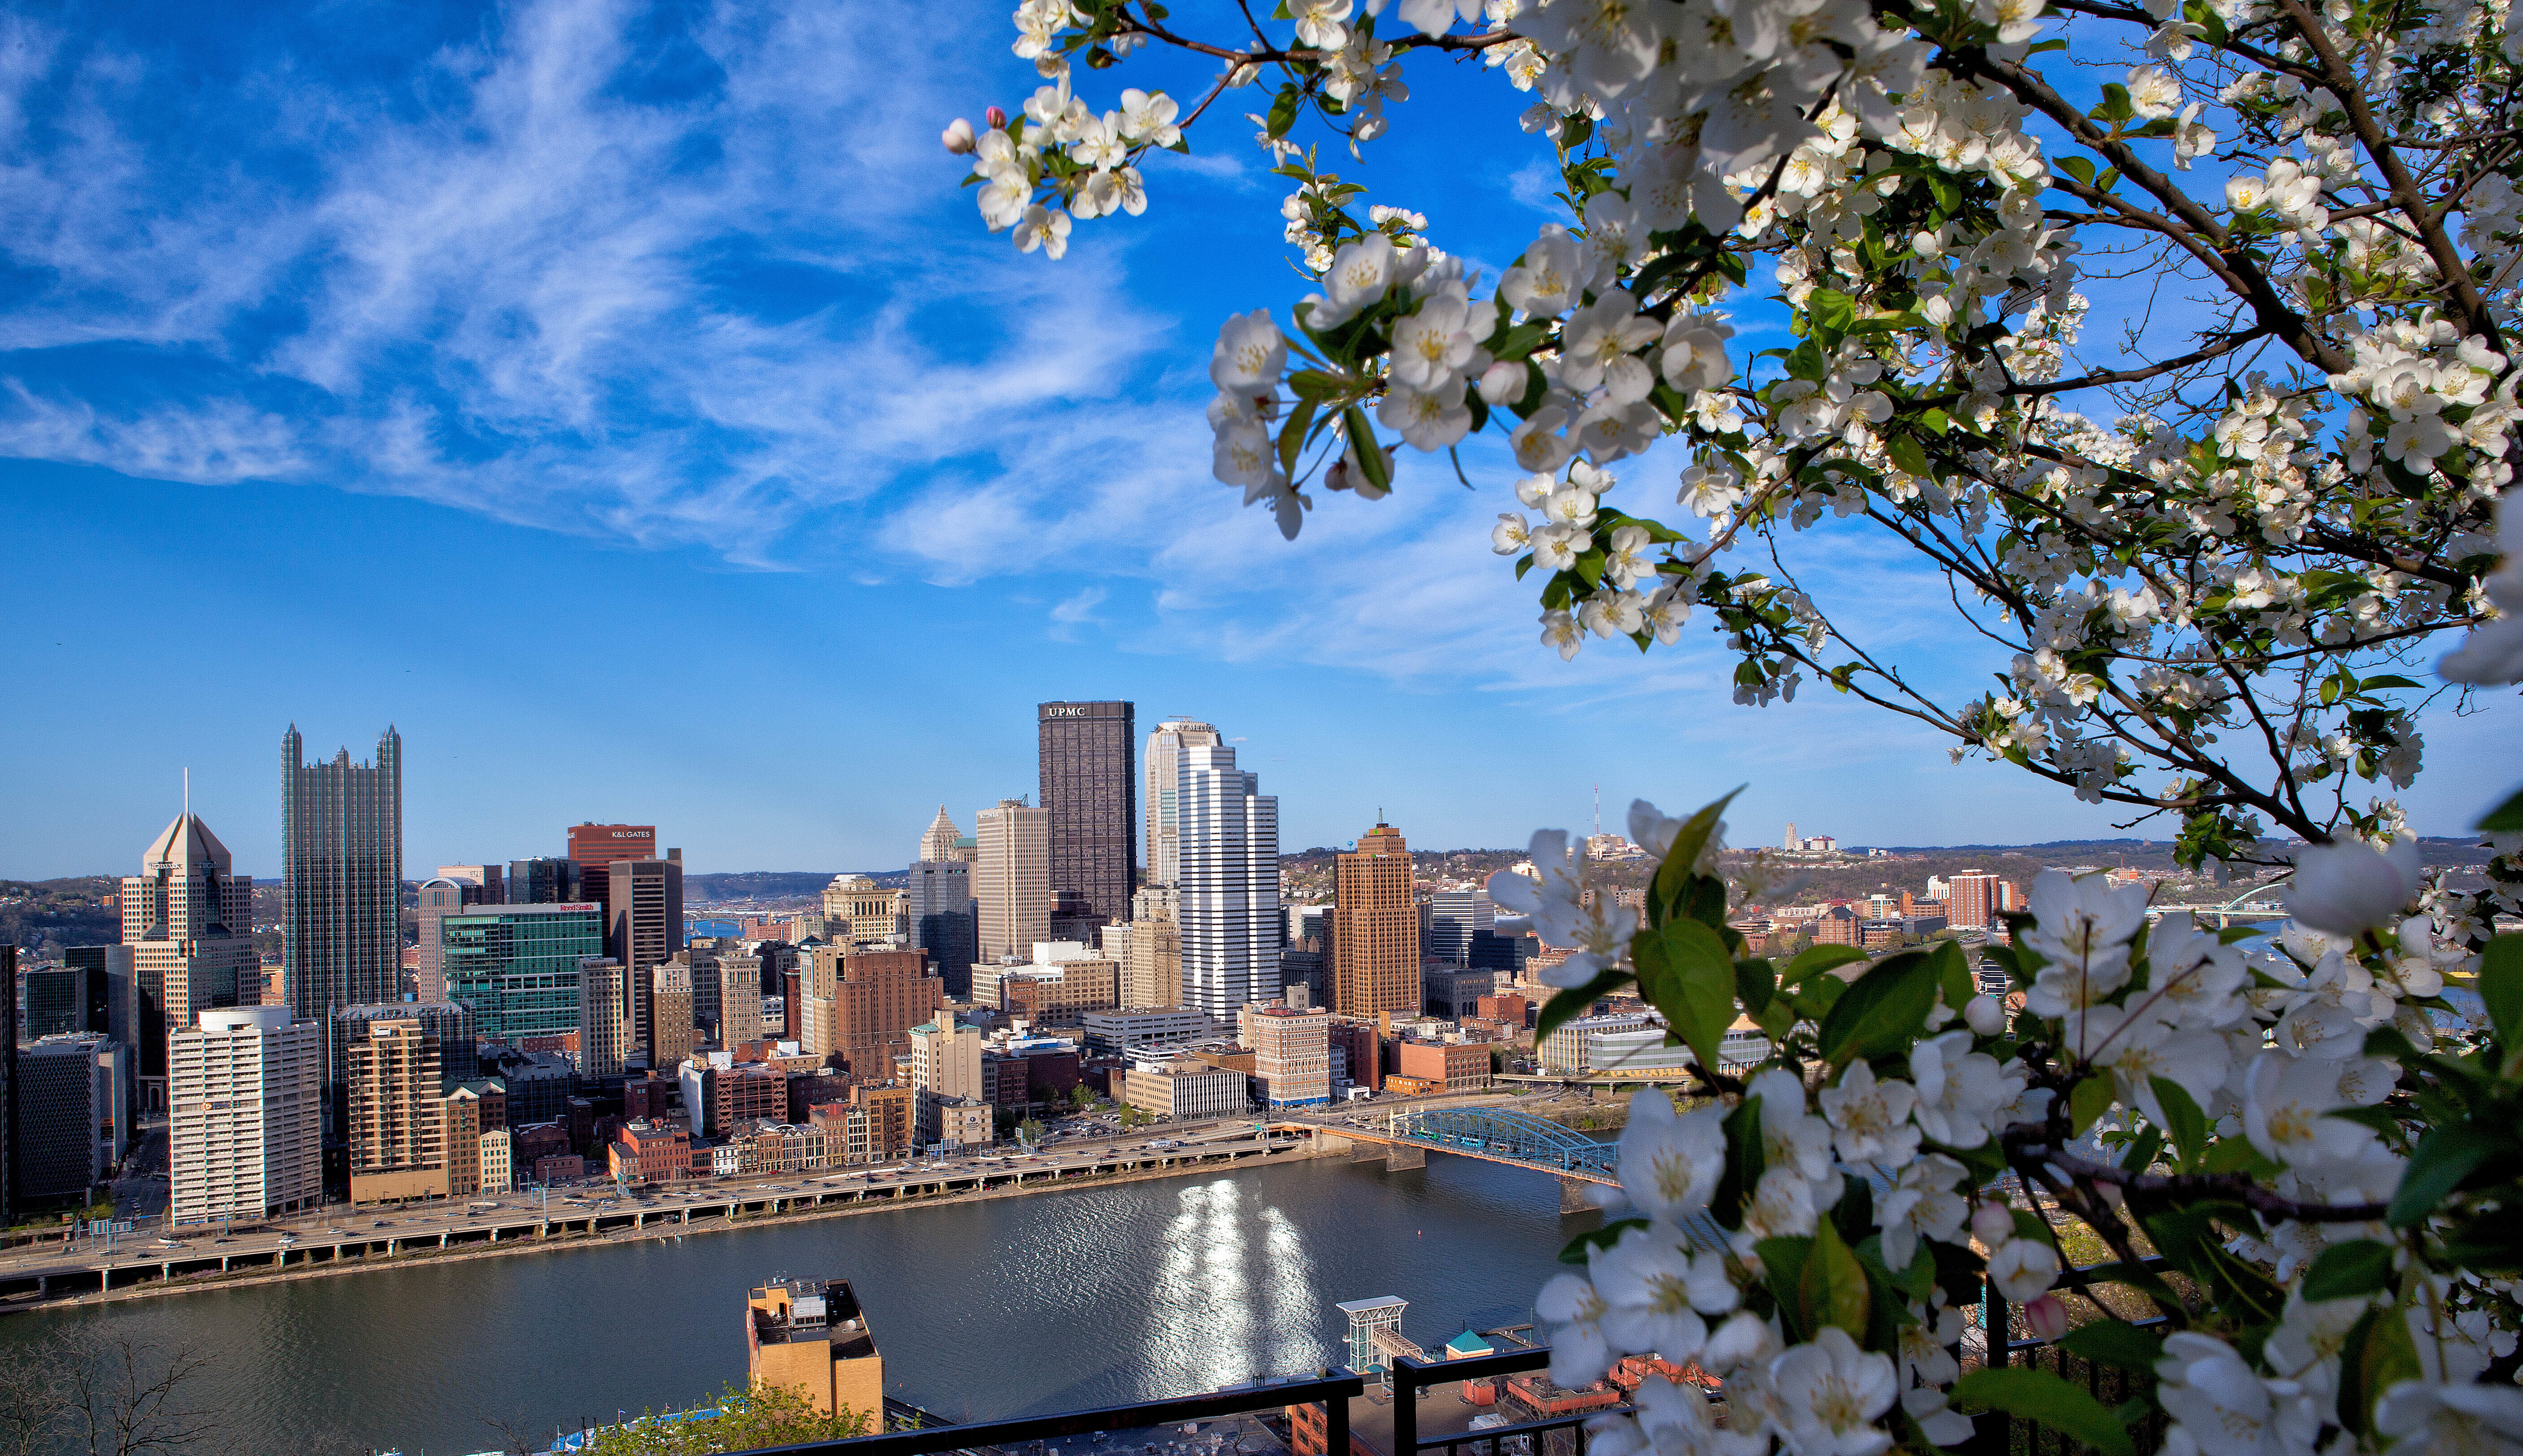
(64, 1108)
(1129, 1031)
(1151, 965)
(1454, 917)
(1061, 981)
(876, 998)
(1158, 813)
(245, 1106)
(937, 912)
(188, 919)
(950, 1123)
(1092, 799)
(1578, 1045)
(592, 849)
(670, 1015)
(484, 884)
(436, 898)
(1187, 1091)
(56, 997)
(857, 910)
(1446, 1066)
(112, 990)
(699, 959)
(498, 1161)
(1228, 889)
(946, 1058)
(397, 1123)
(721, 1092)
(1455, 992)
(603, 1017)
(341, 868)
(1012, 879)
(740, 1000)
(1292, 1053)
(1358, 1052)
(937, 842)
(543, 882)
(814, 1339)
(643, 922)
(516, 966)
(1374, 946)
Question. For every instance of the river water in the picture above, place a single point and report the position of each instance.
(1003, 1307)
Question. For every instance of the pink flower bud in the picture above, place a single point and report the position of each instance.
(996, 117)
(958, 136)
(2047, 1317)
(1992, 1224)
(1503, 383)
(1984, 1016)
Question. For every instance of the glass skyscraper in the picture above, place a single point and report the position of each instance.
(517, 967)
(1229, 888)
(341, 867)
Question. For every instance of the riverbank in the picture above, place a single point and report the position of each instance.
(659, 1230)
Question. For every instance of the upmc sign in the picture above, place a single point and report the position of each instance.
(1063, 710)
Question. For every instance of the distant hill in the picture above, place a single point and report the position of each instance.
(758, 885)
(58, 911)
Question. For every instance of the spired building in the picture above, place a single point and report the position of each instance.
(1093, 801)
(1164, 759)
(1227, 900)
(341, 868)
(188, 918)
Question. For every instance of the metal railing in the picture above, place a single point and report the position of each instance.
(1410, 1377)
(1996, 1433)
(1332, 1390)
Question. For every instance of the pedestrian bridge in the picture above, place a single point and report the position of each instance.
(1499, 1135)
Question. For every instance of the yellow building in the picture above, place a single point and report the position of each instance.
(814, 1339)
(1374, 943)
(857, 908)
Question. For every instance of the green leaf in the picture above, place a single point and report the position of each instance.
(1883, 1010)
(2143, 1151)
(2045, 1400)
(2442, 1158)
(1783, 1263)
(2501, 985)
(2137, 1277)
(1283, 110)
(2089, 1099)
(1830, 1288)
(1695, 989)
(1745, 1161)
(1908, 453)
(2379, 1354)
(1370, 456)
(1577, 1002)
(1292, 436)
(1581, 1247)
(2344, 1271)
(1953, 976)
(1831, 312)
(1673, 876)
(2183, 1120)
(2114, 1343)
(2505, 818)
(2238, 1156)
(1814, 961)
(1756, 982)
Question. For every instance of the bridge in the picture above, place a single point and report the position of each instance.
(1498, 1135)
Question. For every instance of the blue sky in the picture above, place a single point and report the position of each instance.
(624, 400)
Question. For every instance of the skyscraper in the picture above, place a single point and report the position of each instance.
(541, 882)
(1164, 759)
(938, 907)
(340, 867)
(593, 847)
(1229, 885)
(436, 899)
(1093, 800)
(938, 843)
(398, 1135)
(517, 967)
(188, 918)
(1375, 929)
(1454, 917)
(643, 922)
(603, 1017)
(245, 1115)
(1012, 879)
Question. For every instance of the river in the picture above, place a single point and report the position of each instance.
(999, 1307)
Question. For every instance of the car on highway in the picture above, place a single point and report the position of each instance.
(170, 1243)
(383, 1223)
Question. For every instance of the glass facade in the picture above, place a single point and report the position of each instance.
(517, 966)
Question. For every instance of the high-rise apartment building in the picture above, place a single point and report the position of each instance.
(603, 1016)
(1974, 899)
(396, 1126)
(875, 999)
(937, 842)
(1092, 797)
(341, 869)
(1162, 763)
(1228, 891)
(593, 847)
(245, 1095)
(188, 918)
(517, 967)
(643, 922)
(670, 1015)
(1454, 917)
(938, 912)
(1374, 950)
(946, 1058)
(450, 1024)
(1012, 879)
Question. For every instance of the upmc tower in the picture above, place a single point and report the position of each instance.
(1093, 798)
